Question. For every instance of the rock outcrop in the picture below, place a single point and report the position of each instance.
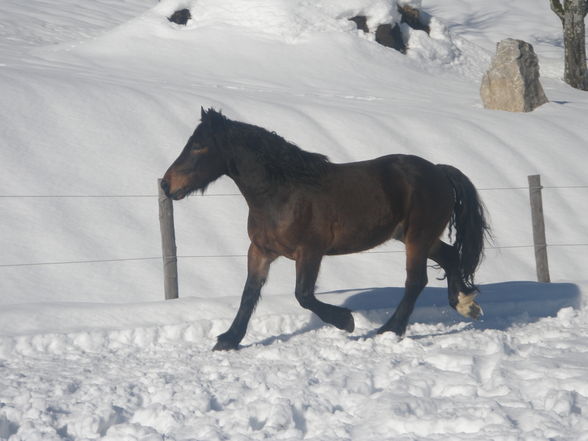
(389, 34)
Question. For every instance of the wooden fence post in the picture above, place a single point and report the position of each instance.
(539, 241)
(168, 244)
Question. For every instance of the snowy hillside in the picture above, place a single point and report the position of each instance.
(99, 97)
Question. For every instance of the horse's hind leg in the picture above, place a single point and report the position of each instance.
(307, 269)
(416, 280)
(446, 256)
(460, 297)
(258, 264)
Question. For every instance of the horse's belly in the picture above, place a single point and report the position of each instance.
(352, 240)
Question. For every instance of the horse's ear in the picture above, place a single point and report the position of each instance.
(217, 119)
(202, 113)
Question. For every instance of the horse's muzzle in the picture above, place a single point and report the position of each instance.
(175, 195)
(165, 187)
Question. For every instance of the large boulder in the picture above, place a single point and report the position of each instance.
(512, 81)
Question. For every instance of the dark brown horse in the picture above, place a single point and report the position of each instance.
(304, 207)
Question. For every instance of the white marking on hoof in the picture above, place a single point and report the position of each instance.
(467, 306)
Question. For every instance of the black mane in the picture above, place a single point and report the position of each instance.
(283, 161)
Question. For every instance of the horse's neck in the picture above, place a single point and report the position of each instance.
(249, 176)
(255, 193)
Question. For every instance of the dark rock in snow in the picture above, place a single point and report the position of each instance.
(412, 17)
(390, 36)
(361, 23)
(386, 35)
(180, 17)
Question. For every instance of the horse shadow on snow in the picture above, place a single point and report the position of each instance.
(504, 304)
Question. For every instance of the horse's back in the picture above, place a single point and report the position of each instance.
(400, 177)
(369, 202)
(428, 192)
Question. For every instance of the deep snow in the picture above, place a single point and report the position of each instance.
(98, 98)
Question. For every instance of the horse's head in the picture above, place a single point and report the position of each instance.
(201, 160)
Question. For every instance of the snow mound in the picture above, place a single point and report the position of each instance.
(288, 22)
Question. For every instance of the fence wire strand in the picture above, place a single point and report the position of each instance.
(105, 196)
(220, 256)
(226, 256)
(209, 195)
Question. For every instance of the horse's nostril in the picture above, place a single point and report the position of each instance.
(165, 186)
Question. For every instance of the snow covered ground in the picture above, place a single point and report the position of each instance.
(99, 96)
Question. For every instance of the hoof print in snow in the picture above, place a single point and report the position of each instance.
(7, 427)
(390, 34)
(180, 17)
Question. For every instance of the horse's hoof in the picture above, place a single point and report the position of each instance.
(475, 311)
(350, 325)
(396, 328)
(468, 307)
(344, 321)
(225, 345)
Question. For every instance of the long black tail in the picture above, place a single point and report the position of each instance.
(469, 223)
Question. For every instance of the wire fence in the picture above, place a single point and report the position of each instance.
(207, 195)
(224, 256)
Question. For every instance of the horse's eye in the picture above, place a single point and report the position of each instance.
(199, 148)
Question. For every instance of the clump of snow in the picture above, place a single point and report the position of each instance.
(437, 46)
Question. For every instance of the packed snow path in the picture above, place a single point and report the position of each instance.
(295, 379)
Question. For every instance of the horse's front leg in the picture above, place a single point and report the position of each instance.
(307, 268)
(258, 263)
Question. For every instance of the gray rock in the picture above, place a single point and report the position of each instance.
(512, 81)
